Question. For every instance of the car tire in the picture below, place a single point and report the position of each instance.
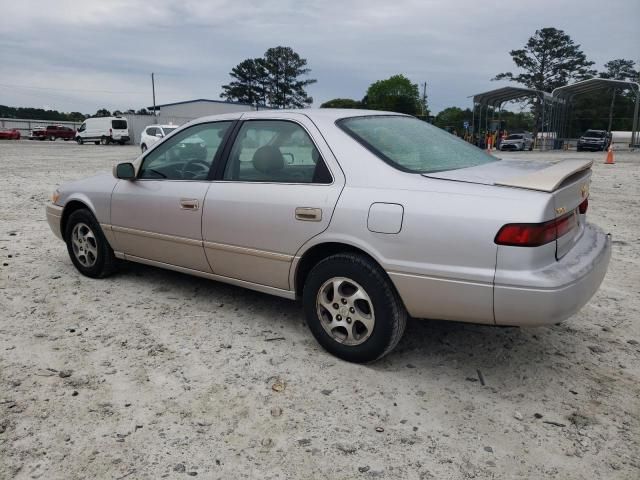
(143, 147)
(52, 138)
(88, 248)
(79, 140)
(104, 141)
(379, 316)
(97, 143)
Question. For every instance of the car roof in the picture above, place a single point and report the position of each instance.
(312, 113)
(163, 126)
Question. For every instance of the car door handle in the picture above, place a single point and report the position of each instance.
(309, 214)
(189, 204)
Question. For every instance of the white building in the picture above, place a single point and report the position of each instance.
(178, 113)
(199, 108)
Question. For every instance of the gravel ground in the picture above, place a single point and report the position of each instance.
(154, 374)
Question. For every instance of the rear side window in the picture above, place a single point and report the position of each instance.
(412, 145)
(275, 151)
(119, 124)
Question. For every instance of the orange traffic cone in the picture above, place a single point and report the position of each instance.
(610, 160)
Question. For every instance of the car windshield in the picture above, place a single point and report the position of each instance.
(514, 137)
(594, 133)
(412, 145)
(119, 124)
(168, 130)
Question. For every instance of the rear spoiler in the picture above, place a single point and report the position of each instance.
(548, 179)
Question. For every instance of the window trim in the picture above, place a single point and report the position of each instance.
(219, 172)
(214, 161)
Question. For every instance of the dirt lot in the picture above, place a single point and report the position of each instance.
(154, 374)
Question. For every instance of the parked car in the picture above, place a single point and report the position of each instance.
(594, 140)
(153, 133)
(103, 130)
(517, 141)
(368, 217)
(35, 133)
(9, 134)
(52, 132)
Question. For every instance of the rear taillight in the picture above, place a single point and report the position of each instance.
(536, 234)
(582, 208)
(110, 132)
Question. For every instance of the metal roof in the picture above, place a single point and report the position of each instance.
(591, 85)
(505, 94)
(199, 100)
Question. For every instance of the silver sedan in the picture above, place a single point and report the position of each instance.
(368, 217)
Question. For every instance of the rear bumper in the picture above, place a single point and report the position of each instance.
(54, 218)
(554, 293)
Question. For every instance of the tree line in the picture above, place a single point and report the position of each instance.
(28, 113)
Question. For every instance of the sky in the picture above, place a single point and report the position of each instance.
(84, 55)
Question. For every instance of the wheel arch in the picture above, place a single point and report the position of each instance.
(71, 206)
(319, 252)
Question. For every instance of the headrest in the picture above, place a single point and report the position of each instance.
(268, 159)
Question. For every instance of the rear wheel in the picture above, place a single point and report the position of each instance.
(352, 308)
(104, 140)
(97, 143)
(52, 138)
(89, 250)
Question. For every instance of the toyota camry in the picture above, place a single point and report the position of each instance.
(366, 217)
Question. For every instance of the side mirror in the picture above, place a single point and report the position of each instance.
(125, 171)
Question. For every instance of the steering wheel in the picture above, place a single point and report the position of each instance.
(195, 169)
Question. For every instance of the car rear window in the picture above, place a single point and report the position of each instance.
(119, 124)
(412, 145)
(168, 130)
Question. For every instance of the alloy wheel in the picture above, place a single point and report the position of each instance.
(345, 311)
(84, 244)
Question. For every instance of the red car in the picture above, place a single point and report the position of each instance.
(9, 134)
(53, 132)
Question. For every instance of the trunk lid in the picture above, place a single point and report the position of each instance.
(567, 182)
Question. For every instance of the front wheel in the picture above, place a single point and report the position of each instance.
(89, 250)
(352, 308)
(79, 140)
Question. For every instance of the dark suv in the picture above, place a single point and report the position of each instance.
(594, 140)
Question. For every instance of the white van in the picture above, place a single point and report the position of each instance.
(103, 130)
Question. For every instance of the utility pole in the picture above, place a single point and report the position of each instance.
(424, 101)
(153, 89)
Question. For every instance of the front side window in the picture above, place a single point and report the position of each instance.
(275, 151)
(82, 127)
(412, 145)
(187, 155)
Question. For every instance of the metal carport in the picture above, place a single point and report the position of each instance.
(498, 97)
(564, 97)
